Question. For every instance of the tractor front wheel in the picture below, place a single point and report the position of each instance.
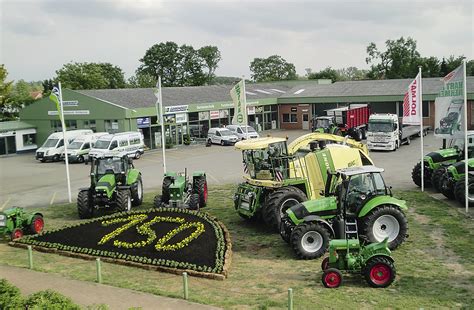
(124, 201)
(84, 205)
(278, 202)
(436, 178)
(200, 188)
(325, 264)
(165, 190)
(194, 202)
(17, 233)
(385, 221)
(137, 192)
(445, 187)
(37, 224)
(157, 202)
(310, 240)
(379, 272)
(460, 190)
(416, 176)
(332, 278)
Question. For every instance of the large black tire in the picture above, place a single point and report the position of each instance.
(379, 271)
(364, 133)
(137, 192)
(165, 190)
(436, 178)
(85, 205)
(194, 202)
(382, 222)
(357, 135)
(123, 202)
(459, 190)
(157, 202)
(445, 187)
(200, 188)
(278, 201)
(310, 240)
(37, 224)
(416, 176)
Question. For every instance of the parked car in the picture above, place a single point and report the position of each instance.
(222, 136)
(243, 132)
(130, 143)
(53, 147)
(78, 150)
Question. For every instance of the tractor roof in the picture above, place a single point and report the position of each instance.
(304, 140)
(257, 143)
(360, 170)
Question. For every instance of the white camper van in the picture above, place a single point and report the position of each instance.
(130, 143)
(78, 150)
(54, 145)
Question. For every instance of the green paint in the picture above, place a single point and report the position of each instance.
(382, 200)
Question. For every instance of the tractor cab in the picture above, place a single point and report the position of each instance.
(111, 165)
(324, 124)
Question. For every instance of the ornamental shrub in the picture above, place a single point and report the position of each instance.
(10, 297)
(49, 299)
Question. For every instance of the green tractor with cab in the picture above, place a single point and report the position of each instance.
(452, 181)
(357, 204)
(115, 185)
(178, 192)
(16, 222)
(326, 124)
(373, 262)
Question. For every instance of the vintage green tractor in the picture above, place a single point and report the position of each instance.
(16, 222)
(279, 175)
(326, 124)
(359, 206)
(433, 162)
(453, 174)
(373, 262)
(115, 185)
(178, 192)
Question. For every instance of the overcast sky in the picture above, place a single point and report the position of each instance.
(39, 36)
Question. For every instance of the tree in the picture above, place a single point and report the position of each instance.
(400, 60)
(273, 68)
(5, 99)
(191, 67)
(470, 68)
(142, 80)
(352, 74)
(328, 73)
(47, 86)
(21, 94)
(90, 76)
(430, 67)
(211, 57)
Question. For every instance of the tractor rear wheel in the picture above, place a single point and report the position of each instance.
(310, 240)
(332, 278)
(385, 221)
(37, 224)
(445, 187)
(157, 202)
(123, 201)
(325, 264)
(460, 191)
(436, 178)
(200, 188)
(16, 233)
(137, 192)
(416, 176)
(165, 190)
(84, 204)
(379, 271)
(194, 202)
(278, 202)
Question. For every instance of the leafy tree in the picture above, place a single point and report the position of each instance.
(191, 67)
(21, 94)
(113, 74)
(211, 57)
(400, 60)
(47, 86)
(449, 64)
(90, 76)
(273, 68)
(470, 68)
(142, 80)
(328, 73)
(430, 67)
(6, 109)
(352, 74)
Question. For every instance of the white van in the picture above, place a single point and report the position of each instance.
(53, 147)
(222, 136)
(78, 150)
(130, 143)
(243, 132)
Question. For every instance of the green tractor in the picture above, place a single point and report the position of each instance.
(15, 222)
(178, 192)
(115, 185)
(434, 163)
(326, 124)
(357, 204)
(278, 176)
(373, 262)
(453, 175)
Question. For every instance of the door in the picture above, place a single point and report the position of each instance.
(305, 121)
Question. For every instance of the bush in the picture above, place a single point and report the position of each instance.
(10, 297)
(49, 299)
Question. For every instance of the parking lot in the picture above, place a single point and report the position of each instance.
(28, 183)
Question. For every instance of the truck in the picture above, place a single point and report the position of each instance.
(385, 132)
(350, 120)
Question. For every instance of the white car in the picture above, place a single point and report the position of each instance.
(243, 132)
(222, 136)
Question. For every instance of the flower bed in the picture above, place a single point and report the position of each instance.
(168, 239)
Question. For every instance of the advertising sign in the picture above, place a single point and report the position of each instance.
(214, 114)
(143, 122)
(176, 109)
(203, 116)
(181, 118)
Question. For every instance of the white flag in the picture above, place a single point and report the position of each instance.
(412, 103)
(237, 93)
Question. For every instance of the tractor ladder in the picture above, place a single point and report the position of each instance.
(351, 229)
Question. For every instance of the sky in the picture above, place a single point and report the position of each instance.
(38, 36)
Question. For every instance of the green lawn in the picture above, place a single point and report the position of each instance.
(435, 266)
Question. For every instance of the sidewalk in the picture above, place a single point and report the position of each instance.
(88, 293)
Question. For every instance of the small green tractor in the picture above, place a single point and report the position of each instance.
(373, 262)
(357, 204)
(16, 222)
(279, 175)
(326, 124)
(452, 176)
(434, 163)
(178, 192)
(115, 185)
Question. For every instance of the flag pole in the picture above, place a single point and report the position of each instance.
(244, 97)
(420, 96)
(162, 121)
(66, 142)
(466, 142)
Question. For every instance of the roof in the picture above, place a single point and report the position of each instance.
(397, 87)
(359, 170)
(14, 125)
(257, 143)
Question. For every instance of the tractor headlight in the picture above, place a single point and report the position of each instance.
(3, 220)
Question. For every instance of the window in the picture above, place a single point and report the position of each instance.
(29, 139)
(90, 124)
(218, 134)
(113, 145)
(61, 143)
(70, 124)
(134, 141)
(290, 118)
(86, 146)
(123, 143)
(56, 125)
(111, 126)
